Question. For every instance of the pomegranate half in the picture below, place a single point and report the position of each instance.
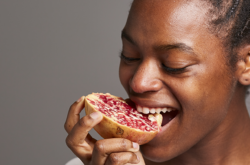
(120, 120)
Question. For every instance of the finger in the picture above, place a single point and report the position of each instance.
(140, 158)
(74, 114)
(103, 148)
(90, 140)
(77, 140)
(122, 158)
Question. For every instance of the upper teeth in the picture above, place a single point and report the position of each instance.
(147, 110)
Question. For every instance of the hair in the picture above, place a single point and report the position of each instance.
(230, 20)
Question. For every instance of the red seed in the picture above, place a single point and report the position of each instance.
(124, 114)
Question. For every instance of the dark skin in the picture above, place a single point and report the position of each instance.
(170, 58)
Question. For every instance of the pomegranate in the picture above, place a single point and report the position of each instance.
(121, 120)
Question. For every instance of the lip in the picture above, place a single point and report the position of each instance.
(166, 127)
(151, 103)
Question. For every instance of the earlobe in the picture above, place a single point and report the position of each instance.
(244, 68)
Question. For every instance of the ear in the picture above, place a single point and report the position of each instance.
(243, 66)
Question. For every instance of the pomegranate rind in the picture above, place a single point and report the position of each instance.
(109, 128)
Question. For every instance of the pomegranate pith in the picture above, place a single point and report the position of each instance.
(121, 120)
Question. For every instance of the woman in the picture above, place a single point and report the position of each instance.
(194, 57)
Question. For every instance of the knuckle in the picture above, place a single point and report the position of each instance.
(99, 147)
(85, 122)
(124, 144)
(69, 142)
(67, 126)
(134, 158)
(114, 158)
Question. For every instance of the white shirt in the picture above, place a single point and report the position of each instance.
(75, 161)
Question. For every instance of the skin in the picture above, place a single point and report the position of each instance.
(212, 127)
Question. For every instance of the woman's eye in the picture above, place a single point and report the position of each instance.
(128, 59)
(174, 70)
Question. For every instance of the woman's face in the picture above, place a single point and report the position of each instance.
(171, 60)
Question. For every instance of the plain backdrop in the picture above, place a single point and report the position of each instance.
(51, 53)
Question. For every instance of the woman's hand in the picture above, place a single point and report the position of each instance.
(115, 151)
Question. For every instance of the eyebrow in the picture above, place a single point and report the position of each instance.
(127, 37)
(180, 46)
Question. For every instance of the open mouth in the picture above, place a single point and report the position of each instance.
(167, 113)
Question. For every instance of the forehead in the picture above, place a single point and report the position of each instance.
(153, 15)
(170, 21)
(170, 10)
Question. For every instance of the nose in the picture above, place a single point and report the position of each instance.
(146, 78)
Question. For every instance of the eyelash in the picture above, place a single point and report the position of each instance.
(167, 69)
(174, 70)
(128, 59)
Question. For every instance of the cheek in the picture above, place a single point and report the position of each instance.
(210, 86)
(205, 100)
(206, 94)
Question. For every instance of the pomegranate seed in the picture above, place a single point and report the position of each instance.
(125, 114)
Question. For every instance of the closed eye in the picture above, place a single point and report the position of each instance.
(128, 59)
(174, 70)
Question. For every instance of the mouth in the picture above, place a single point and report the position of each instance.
(167, 113)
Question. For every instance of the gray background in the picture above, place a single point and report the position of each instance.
(51, 53)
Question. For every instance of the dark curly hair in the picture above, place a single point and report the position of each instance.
(230, 20)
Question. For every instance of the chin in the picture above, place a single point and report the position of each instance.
(155, 154)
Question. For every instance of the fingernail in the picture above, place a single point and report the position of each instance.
(135, 145)
(95, 115)
(79, 100)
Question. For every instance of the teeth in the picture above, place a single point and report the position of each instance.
(164, 110)
(152, 110)
(158, 110)
(139, 109)
(147, 110)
